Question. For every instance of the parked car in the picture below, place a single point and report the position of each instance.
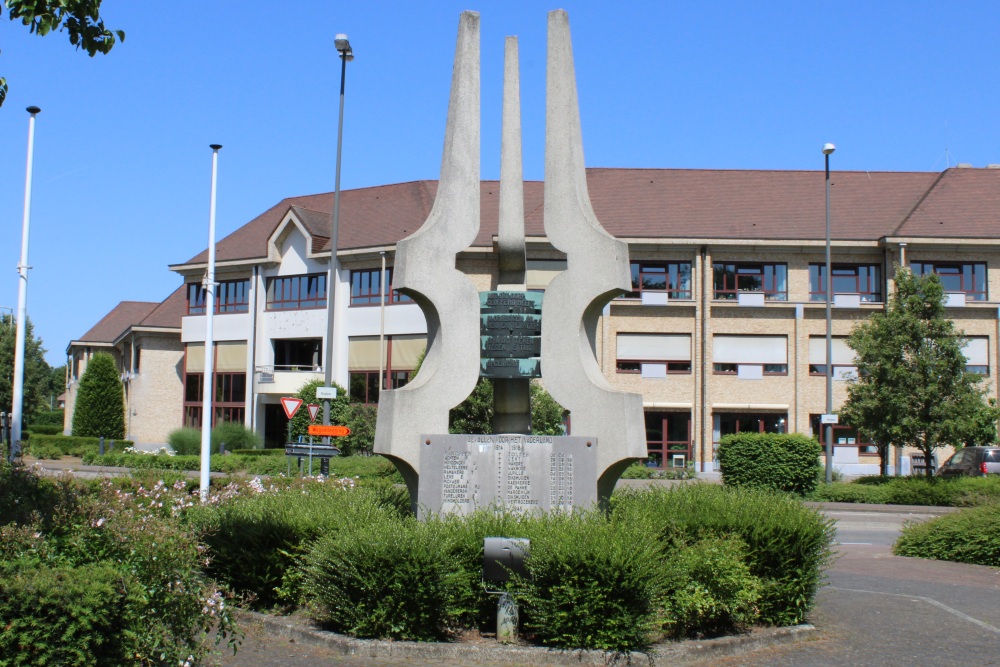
(973, 462)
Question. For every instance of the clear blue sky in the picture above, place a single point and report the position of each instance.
(122, 164)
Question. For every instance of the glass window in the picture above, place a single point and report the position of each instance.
(232, 296)
(366, 288)
(862, 279)
(668, 439)
(296, 292)
(730, 279)
(965, 277)
(674, 278)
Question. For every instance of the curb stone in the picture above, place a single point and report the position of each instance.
(661, 654)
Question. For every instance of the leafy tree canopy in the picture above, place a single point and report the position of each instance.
(80, 18)
(36, 371)
(912, 387)
(99, 410)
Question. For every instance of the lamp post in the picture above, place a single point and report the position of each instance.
(827, 151)
(17, 410)
(344, 49)
(208, 386)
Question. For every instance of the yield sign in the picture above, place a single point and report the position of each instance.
(291, 405)
(313, 411)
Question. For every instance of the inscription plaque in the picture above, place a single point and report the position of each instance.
(461, 473)
(521, 324)
(519, 347)
(510, 302)
(510, 368)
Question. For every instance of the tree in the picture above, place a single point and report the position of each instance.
(100, 401)
(36, 370)
(912, 387)
(80, 18)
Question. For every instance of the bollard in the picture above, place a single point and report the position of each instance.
(100, 445)
(222, 448)
(507, 618)
(111, 446)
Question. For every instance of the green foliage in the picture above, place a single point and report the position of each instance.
(26, 498)
(383, 578)
(788, 544)
(593, 584)
(45, 429)
(967, 536)
(70, 445)
(546, 414)
(256, 541)
(235, 436)
(781, 462)
(712, 590)
(49, 417)
(474, 415)
(36, 370)
(185, 441)
(100, 401)
(639, 470)
(340, 409)
(42, 450)
(912, 387)
(361, 420)
(69, 616)
(957, 492)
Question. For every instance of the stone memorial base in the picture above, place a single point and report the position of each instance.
(462, 473)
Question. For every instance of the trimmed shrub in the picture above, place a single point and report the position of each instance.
(256, 452)
(788, 544)
(593, 584)
(185, 441)
(71, 445)
(712, 590)
(100, 400)
(781, 462)
(42, 450)
(82, 616)
(48, 418)
(967, 536)
(45, 429)
(236, 436)
(389, 577)
(936, 491)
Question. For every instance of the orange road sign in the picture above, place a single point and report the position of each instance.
(333, 431)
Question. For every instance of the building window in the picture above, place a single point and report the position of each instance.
(401, 355)
(977, 355)
(296, 292)
(728, 423)
(668, 439)
(232, 296)
(366, 288)
(961, 277)
(671, 278)
(228, 403)
(843, 436)
(844, 367)
(864, 280)
(750, 357)
(731, 279)
(653, 355)
(298, 354)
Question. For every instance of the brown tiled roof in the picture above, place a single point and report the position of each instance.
(671, 204)
(169, 312)
(964, 202)
(121, 317)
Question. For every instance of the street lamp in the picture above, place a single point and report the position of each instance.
(346, 54)
(827, 151)
(208, 384)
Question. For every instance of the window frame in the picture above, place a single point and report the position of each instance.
(230, 298)
(734, 270)
(315, 294)
(923, 267)
(637, 371)
(664, 445)
(369, 298)
(668, 270)
(817, 284)
(865, 446)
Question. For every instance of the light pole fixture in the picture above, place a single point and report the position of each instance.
(827, 151)
(346, 54)
(208, 385)
(17, 409)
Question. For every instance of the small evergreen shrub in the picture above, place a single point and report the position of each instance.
(45, 429)
(82, 616)
(967, 536)
(389, 577)
(100, 400)
(185, 441)
(43, 450)
(712, 591)
(48, 418)
(781, 462)
(235, 436)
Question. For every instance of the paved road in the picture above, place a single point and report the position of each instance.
(876, 610)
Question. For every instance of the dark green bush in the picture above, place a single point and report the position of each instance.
(256, 540)
(26, 498)
(937, 491)
(48, 418)
(711, 589)
(593, 584)
(967, 536)
(45, 429)
(235, 436)
(42, 450)
(781, 462)
(256, 452)
(389, 577)
(71, 445)
(849, 492)
(873, 480)
(185, 441)
(788, 544)
(100, 401)
(69, 616)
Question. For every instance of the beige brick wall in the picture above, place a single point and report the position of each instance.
(156, 394)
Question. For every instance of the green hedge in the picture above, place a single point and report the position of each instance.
(967, 536)
(72, 445)
(45, 429)
(781, 462)
(82, 616)
(53, 417)
(936, 491)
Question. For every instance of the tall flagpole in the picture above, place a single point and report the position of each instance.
(208, 386)
(17, 410)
